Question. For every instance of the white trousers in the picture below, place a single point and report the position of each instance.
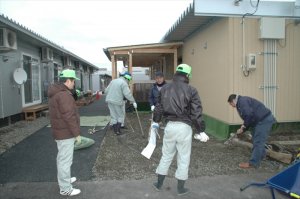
(117, 113)
(64, 161)
(177, 138)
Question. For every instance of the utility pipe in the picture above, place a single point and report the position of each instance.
(270, 73)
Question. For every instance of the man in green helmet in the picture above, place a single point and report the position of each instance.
(116, 91)
(65, 124)
(180, 104)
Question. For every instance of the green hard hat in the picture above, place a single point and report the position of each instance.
(184, 68)
(127, 76)
(68, 73)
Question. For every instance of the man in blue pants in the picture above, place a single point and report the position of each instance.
(255, 114)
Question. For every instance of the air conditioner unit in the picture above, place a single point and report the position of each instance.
(67, 61)
(47, 54)
(8, 39)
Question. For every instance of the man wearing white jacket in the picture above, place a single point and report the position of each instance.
(116, 91)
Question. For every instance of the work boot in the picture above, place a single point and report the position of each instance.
(180, 188)
(160, 180)
(115, 128)
(118, 128)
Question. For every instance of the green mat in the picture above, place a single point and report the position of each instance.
(93, 121)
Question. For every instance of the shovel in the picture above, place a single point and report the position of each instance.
(139, 122)
(232, 136)
(235, 135)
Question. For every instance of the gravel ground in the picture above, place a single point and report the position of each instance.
(119, 158)
(15, 133)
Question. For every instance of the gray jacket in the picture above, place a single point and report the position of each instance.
(117, 90)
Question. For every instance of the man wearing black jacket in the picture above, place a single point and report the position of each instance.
(256, 115)
(154, 91)
(179, 103)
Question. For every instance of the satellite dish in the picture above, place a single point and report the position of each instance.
(20, 76)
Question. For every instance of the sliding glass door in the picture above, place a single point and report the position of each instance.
(32, 87)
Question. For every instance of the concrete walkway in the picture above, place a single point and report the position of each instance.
(226, 187)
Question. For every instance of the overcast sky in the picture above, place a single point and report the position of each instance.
(85, 27)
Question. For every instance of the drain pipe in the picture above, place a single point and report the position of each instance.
(270, 73)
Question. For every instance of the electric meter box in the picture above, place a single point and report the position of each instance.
(251, 62)
(272, 28)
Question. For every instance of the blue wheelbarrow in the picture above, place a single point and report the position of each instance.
(287, 181)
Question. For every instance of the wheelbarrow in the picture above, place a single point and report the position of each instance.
(287, 182)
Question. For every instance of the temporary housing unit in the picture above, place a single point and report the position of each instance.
(28, 64)
(246, 55)
(101, 79)
(251, 56)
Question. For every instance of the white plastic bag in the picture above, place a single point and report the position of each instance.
(148, 150)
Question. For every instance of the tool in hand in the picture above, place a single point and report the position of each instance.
(247, 134)
(232, 136)
(139, 122)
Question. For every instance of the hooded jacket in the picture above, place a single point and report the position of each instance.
(64, 116)
(178, 101)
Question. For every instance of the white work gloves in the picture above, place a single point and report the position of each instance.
(152, 108)
(78, 139)
(155, 125)
(134, 105)
(202, 137)
(241, 130)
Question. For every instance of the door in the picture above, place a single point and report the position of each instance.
(32, 87)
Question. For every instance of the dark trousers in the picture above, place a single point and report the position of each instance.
(259, 139)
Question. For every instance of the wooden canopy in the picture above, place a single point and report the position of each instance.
(144, 55)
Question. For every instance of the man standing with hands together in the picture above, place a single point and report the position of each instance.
(65, 124)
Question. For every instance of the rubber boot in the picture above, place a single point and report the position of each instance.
(119, 128)
(160, 180)
(115, 128)
(180, 188)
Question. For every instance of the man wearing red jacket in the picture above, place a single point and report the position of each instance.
(64, 119)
